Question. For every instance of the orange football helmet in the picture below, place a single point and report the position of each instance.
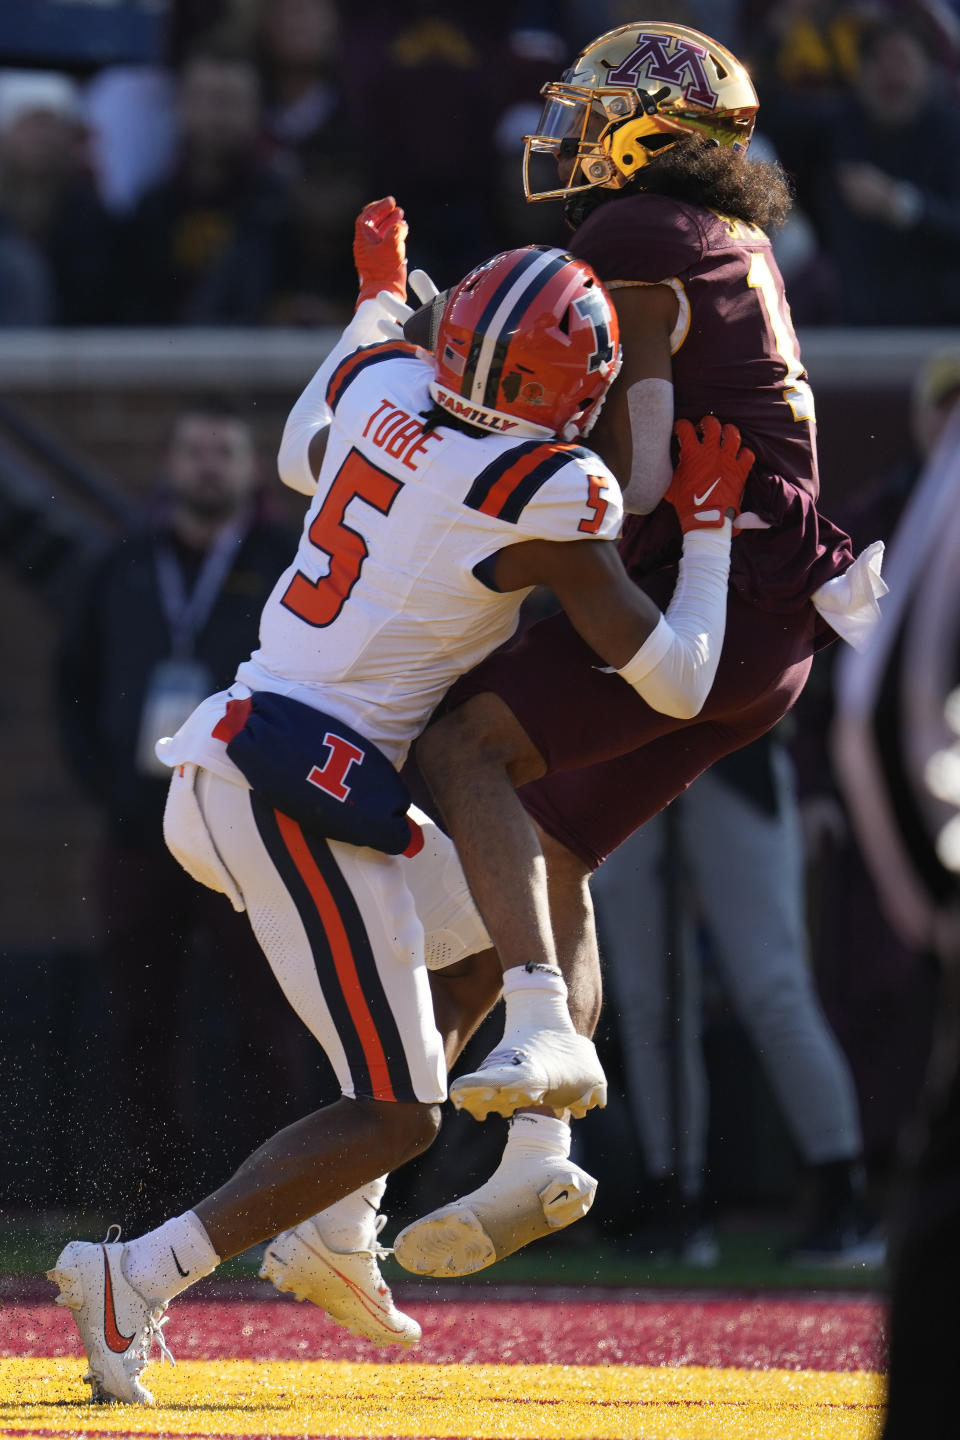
(528, 344)
(635, 91)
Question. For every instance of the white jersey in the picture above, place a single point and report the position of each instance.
(390, 597)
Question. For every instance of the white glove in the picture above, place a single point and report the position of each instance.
(848, 602)
(422, 286)
(374, 321)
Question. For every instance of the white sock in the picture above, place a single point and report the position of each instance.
(535, 1000)
(348, 1223)
(537, 1133)
(169, 1259)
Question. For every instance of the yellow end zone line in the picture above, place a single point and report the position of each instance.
(227, 1398)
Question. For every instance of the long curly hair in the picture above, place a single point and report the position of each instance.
(710, 175)
(720, 179)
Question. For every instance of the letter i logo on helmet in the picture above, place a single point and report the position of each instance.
(527, 345)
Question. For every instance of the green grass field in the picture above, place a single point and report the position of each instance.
(748, 1260)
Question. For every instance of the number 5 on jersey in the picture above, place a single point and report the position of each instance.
(319, 602)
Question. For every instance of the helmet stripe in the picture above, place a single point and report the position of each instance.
(525, 279)
(492, 305)
(507, 330)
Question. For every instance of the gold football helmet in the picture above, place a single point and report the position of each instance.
(631, 94)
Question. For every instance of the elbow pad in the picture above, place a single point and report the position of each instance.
(675, 667)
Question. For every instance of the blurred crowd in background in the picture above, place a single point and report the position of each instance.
(211, 177)
(216, 181)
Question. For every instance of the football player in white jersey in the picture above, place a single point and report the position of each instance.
(443, 489)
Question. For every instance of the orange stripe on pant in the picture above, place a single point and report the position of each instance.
(342, 954)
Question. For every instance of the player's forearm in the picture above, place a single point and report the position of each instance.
(674, 669)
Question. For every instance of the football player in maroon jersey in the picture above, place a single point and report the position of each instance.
(646, 141)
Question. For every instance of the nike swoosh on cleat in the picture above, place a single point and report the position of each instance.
(699, 499)
(372, 1307)
(180, 1269)
(563, 1195)
(111, 1330)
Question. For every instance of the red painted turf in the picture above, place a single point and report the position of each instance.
(750, 1332)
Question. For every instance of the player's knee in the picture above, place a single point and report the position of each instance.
(483, 731)
(413, 1130)
(563, 866)
(457, 735)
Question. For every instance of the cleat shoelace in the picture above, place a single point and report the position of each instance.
(376, 1251)
(153, 1332)
(380, 1252)
(504, 1057)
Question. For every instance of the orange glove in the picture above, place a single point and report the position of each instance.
(709, 478)
(379, 249)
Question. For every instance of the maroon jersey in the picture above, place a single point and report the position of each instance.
(735, 354)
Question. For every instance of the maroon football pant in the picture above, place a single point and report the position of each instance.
(612, 761)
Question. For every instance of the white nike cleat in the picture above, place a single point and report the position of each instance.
(534, 1067)
(345, 1283)
(117, 1326)
(523, 1200)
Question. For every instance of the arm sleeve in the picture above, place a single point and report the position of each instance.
(675, 667)
(372, 323)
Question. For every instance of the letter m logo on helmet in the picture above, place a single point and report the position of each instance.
(631, 94)
(683, 66)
